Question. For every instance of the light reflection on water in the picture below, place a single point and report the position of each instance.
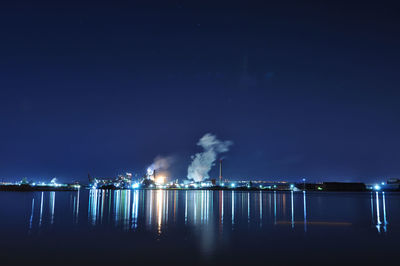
(204, 224)
(155, 210)
(378, 222)
(305, 211)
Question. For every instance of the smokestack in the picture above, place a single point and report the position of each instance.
(202, 162)
(220, 172)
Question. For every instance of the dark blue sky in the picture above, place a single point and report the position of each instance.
(301, 88)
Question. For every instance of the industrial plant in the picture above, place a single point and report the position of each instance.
(152, 179)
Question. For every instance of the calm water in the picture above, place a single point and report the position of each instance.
(101, 227)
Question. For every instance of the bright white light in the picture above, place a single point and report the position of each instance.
(377, 187)
(383, 183)
(291, 186)
(233, 185)
(150, 173)
(54, 180)
(160, 180)
(136, 185)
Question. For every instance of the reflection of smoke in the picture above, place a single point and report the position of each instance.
(202, 162)
(160, 163)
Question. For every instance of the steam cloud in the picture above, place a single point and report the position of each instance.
(160, 163)
(203, 161)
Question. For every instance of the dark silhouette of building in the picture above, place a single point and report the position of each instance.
(342, 186)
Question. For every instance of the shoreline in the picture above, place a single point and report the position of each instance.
(27, 188)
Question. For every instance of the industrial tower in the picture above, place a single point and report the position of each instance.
(220, 171)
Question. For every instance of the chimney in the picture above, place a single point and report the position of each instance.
(220, 172)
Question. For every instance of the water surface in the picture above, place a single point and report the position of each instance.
(105, 227)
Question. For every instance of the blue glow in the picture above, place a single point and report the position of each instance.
(135, 185)
(377, 187)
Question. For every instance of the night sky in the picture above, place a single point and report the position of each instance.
(303, 89)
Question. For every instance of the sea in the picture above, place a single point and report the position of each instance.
(199, 227)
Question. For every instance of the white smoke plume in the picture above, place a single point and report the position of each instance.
(161, 163)
(202, 162)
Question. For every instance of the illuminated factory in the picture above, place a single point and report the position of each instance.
(122, 181)
(155, 179)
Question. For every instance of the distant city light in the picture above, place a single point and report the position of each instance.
(377, 187)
